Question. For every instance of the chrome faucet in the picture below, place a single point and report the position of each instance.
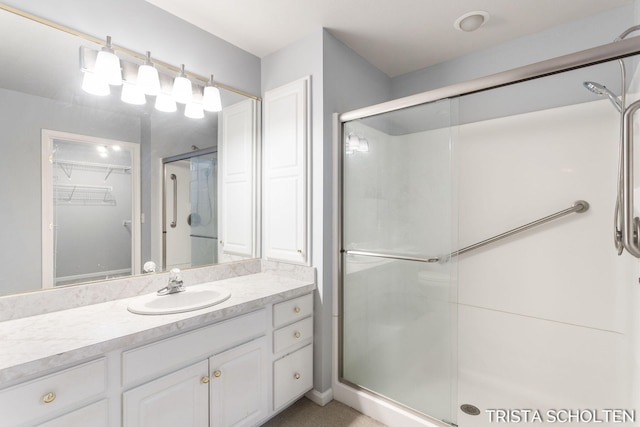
(175, 283)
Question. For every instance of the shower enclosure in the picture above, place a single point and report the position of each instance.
(190, 208)
(479, 273)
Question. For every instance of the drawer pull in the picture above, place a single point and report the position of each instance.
(296, 376)
(49, 397)
(297, 334)
(297, 309)
(217, 374)
(204, 380)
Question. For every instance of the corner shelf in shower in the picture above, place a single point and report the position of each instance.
(70, 194)
(68, 166)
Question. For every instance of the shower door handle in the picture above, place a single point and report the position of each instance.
(174, 178)
(630, 223)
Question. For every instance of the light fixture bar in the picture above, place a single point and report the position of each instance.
(121, 49)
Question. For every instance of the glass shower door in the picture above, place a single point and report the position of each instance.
(191, 210)
(398, 332)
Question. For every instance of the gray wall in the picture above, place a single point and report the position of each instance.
(579, 35)
(341, 80)
(22, 117)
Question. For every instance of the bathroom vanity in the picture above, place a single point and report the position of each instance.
(235, 363)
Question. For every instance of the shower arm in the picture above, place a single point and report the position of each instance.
(630, 223)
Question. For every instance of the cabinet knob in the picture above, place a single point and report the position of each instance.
(299, 251)
(204, 380)
(49, 397)
(297, 309)
(296, 376)
(297, 334)
(217, 374)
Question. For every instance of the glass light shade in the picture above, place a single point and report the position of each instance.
(194, 110)
(182, 91)
(211, 99)
(94, 85)
(165, 103)
(131, 94)
(353, 143)
(148, 80)
(108, 67)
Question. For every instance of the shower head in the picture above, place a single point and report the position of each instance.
(601, 90)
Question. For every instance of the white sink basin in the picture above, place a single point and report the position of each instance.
(194, 298)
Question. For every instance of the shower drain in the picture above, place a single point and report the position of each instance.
(470, 409)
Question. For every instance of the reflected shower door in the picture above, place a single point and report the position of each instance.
(190, 210)
(398, 332)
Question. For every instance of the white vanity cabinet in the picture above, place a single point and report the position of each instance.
(225, 387)
(239, 386)
(293, 350)
(56, 398)
(179, 398)
(234, 371)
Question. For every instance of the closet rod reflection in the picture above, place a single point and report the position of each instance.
(579, 206)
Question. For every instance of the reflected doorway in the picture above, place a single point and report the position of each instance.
(91, 208)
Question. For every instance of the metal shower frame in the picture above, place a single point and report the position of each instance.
(617, 50)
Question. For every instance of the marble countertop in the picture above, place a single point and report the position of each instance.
(47, 341)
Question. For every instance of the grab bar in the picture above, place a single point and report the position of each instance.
(390, 256)
(579, 206)
(174, 178)
(629, 222)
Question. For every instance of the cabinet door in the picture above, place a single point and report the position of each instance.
(286, 203)
(239, 385)
(238, 180)
(177, 399)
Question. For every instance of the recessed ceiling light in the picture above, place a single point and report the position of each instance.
(471, 21)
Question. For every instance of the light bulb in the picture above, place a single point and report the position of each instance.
(194, 110)
(94, 85)
(148, 79)
(211, 98)
(182, 91)
(165, 103)
(131, 94)
(108, 65)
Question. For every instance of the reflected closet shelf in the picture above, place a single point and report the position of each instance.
(83, 194)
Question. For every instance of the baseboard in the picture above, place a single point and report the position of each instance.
(320, 398)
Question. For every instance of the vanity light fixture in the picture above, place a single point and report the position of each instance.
(182, 90)
(471, 21)
(131, 94)
(165, 103)
(107, 65)
(211, 98)
(140, 78)
(148, 79)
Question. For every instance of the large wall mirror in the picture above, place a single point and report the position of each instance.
(72, 209)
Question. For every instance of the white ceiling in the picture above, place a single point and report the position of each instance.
(397, 36)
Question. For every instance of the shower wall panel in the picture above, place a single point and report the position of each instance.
(542, 315)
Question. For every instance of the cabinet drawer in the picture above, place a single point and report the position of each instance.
(53, 394)
(290, 311)
(292, 376)
(94, 415)
(292, 335)
(153, 360)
